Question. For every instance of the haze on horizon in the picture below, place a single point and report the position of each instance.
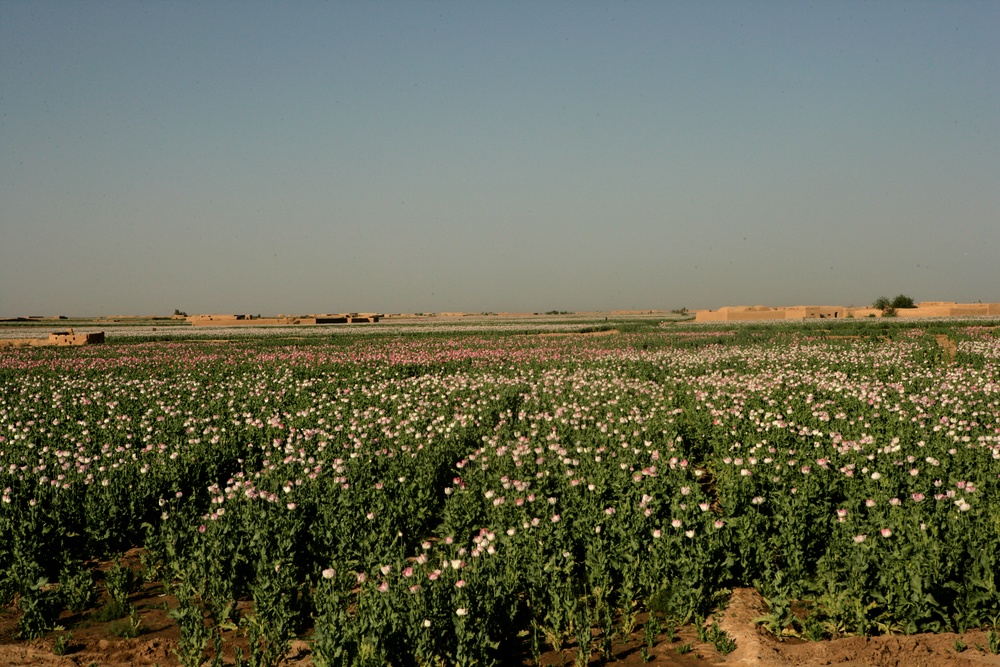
(500, 156)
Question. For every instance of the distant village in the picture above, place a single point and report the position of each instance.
(922, 309)
(237, 320)
(724, 314)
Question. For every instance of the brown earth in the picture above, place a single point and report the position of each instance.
(948, 345)
(95, 643)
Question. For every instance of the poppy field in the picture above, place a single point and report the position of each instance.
(429, 500)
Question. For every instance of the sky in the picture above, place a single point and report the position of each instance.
(311, 157)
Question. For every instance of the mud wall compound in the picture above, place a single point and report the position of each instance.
(57, 339)
(923, 309)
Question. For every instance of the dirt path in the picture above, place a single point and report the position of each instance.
(948, 345)
(757, 648)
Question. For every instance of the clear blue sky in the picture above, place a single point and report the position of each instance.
(520, 156)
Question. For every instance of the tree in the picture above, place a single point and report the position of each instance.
(889, 308)
(882, 303)
(903, 301)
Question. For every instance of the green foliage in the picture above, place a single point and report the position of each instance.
(76, 586)
(190, 619)
(779, 620)
(889, 307)
(666, 602)
(131, 627)
(63, 643)
(121, 582)
(882, 303)
(992, 643)
(903, 301)
(722, 642)
(40, 607)
(152, 568)
(651, 630)
(112, 610)
(702, 629)
(8, 589)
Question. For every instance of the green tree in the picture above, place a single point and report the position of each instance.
(903, 301)
(890, 307)
(882, 303)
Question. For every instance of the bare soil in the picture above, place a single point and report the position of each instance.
(948, 345)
